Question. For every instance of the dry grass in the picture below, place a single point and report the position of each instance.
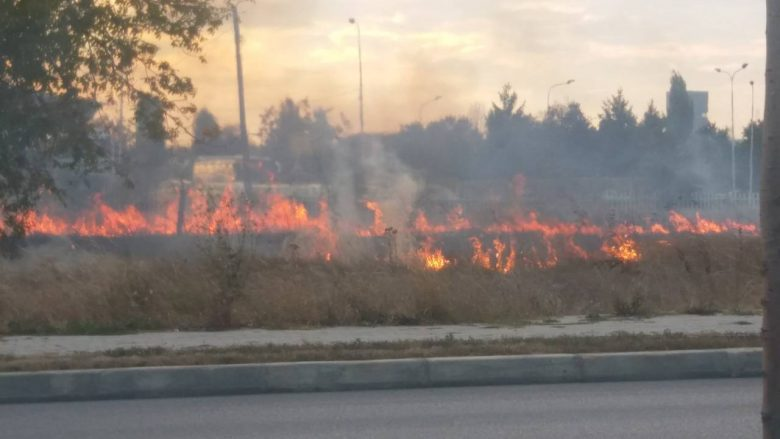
(375, 351)
(67, 291)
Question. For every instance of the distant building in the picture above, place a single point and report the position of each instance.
(701, 106)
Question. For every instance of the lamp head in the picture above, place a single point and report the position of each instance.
(744, 66)
(352, 20)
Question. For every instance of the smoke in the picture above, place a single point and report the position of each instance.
(363, 165)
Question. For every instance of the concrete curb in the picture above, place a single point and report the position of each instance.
(167, 382)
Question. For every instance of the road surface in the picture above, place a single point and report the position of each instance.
(708, 409)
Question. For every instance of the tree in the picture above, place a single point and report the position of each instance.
(743, 154)
(617, 130)
(149, 124)
(770, 226)
(442, 151)
(59, 58)
(296, 137)
(617, 117)
(505, 119)
(571, 139)
(680, 109)
(206, 130)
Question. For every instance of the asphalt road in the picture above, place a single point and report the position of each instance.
(683, 409)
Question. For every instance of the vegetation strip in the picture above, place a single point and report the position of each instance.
(358, 350)
(78, 292)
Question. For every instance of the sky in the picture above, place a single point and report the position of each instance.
(465, 50)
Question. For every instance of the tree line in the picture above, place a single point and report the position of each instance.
(660, 154)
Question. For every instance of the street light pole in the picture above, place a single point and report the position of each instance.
(549, 91)
(752, 130)
(360, 69)
(731, 76)
(425, 104)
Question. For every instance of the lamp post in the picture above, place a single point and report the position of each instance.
(425, 104)
(731, 76)
(549, 91)
(752, 131)
(360, 69)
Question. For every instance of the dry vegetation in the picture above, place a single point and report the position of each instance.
(375, 351)
(223, 284)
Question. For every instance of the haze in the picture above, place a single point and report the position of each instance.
(465, 50)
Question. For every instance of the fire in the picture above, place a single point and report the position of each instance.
(456, 222)
(550, 240)
(622, 248)
(481, 258)
(504, 265)
(703, 226)
(378, 228)
(432, 258)
(274, 213)
(658, 229)
(499, 260)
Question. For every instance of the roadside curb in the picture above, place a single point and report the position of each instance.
(169, 382)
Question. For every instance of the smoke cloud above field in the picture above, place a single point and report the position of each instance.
(465, 50)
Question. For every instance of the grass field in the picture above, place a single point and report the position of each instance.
(221, 286)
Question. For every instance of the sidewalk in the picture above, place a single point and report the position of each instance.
(568, 326)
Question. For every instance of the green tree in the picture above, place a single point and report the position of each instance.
(149, 124)
(617, 133)
(617, 117)
(60, 57)
(206, 131)
(743, 155)
(652, 128)
(296, 137)
(442, 151)
(680, 109)
(505, 119)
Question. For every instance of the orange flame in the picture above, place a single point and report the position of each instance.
(433, 258)
(456, 222)
(481, 258)
(378, 227)
(622, 248)
(497, 261)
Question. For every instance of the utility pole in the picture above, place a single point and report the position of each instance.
(752, 132)
(770, 226)
(360, 69)
(731, 76)
(241, 104)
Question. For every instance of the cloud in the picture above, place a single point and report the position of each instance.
(466, 49)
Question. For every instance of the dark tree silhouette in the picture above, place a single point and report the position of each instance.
(61, 56)
(680, 108)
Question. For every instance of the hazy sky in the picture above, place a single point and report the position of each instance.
(465, 50)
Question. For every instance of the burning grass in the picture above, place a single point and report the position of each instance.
(229, 285)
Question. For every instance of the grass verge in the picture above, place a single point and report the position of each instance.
(449, 347)
(65, 291)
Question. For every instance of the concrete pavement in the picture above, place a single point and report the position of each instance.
(567, 326)
(171, 382)
(708, 409)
